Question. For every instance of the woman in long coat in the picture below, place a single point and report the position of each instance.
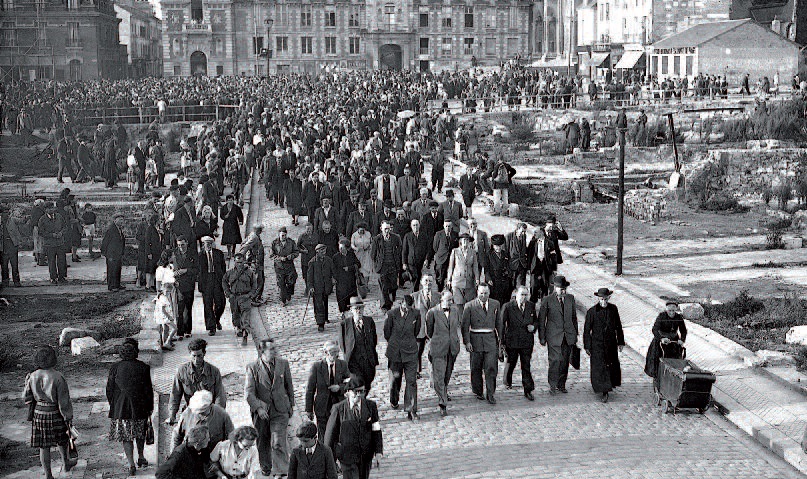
(131, 402)
(603, 339)
(294, 197)
(47, 391)
(668, 328)
(345, 271)
(362, 244)
(207, 226)
(233, 218)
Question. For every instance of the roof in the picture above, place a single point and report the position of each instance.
(699, 34)
(629, 59)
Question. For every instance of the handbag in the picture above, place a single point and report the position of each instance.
(72, 438)
(361, 286)
(149, 433)
(574, 357)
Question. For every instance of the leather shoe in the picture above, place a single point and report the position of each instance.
(553, 391)
(529, 396)
(443, 411)
(218, 326)
(394, 406)
(212, 332)
(480, 397)
(508, 386)
(321, 328)
(491, 399)
(563, 390)
(604, 397)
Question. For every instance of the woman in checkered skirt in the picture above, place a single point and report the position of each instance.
(47, 389)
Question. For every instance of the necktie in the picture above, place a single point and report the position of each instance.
(560, 298)
(356, 411)
(429, 298)
(485, 307)
(331, 373)
(209, 261)
(359, 324)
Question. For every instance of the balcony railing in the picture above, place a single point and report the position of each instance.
(424, 50)
(196, 27)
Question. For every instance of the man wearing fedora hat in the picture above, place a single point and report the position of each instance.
(557, 330)
(320, 284)
(463, 271)
(401, 329)
(603, 340)
(358, 340)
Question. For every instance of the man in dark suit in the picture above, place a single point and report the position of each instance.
(481, 330)
(185, 272)
(557, 330)
(327, 383)
(361, 215)
(415, 248)
(211, 272)
(184, 222)
(346, 210)
(320, 284)
(401, 329)
(112, 248)
(430, 224)
(387, 262)
(358, 340)
(517, 247)
(443, 329)
(326, 212)
(519, 322)
(443, 244)
(140, 158)
(452, 210)
(354, 432)
(311, 459)
(270, 395)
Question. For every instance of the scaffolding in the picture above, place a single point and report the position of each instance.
(34, 57)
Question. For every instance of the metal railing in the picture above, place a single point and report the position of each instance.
(145, 115)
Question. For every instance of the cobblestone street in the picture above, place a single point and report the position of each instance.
(570, 435)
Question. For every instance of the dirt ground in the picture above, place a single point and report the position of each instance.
(33, 320)
(595, 225)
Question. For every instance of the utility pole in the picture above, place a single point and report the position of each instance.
(622, 127)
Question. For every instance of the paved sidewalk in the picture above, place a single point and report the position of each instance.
(762, 406)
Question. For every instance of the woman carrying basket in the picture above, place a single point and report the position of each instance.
(669, 334)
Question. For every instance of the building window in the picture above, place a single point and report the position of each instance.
(677, 65)
(306, 45)
(654, 65)
(424, 20)
(513, 21)
(257, 45)
(490, 47)
(665, 60)
(355, 45)
(424, 46)
(330, 45)
(354, 19)
(389, 15)
(512, 46)
(468, 43)
(305, 17)
(607, 11)
(9, 34)
(446, 20)
(177, 70)
(469, 17)
(490, 18)
(689, 63)
(446, 47)
(219, 70)
(196, 11)
(75, 70)
(282, 44)
(72, 34)
(281, 14)
(330, 19)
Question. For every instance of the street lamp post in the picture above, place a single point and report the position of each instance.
(622, 127)
(268, 22)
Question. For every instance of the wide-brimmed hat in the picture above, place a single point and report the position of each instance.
(356, 301)
(307, 430)
(356, 382)
(560, 281)
(603, 292)
(497, 240)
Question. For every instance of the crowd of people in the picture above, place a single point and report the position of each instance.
(337, 152)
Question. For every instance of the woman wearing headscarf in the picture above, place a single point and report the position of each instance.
(202, 412)
(208, 225)
(131, 402)
(669, 334)
(47, 393)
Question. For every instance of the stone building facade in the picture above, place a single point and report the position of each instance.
(62, 40)
(256, 37)
(141, 33)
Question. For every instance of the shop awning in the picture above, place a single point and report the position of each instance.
(630, 59)
(597, 59)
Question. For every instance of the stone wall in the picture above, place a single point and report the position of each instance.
(648, 205)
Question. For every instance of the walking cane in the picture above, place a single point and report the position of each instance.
(306, 309)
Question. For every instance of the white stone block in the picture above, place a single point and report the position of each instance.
(82, 345)
(69, 334)
(692, 311)
(795, 242)
(797, 335)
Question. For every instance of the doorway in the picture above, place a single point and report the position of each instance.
(390, 57)
(198, 64)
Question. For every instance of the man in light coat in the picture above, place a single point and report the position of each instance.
(443, 329)
(463, 271)
(557, 330)
(270, 395)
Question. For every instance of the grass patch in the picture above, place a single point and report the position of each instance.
(120, 326)
(756, 323)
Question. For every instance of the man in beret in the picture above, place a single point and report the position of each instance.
(284, 251)
(320, 284)
(112, 248)
(211, 272)
(311, 459)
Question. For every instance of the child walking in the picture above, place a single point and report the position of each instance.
(164, 316)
